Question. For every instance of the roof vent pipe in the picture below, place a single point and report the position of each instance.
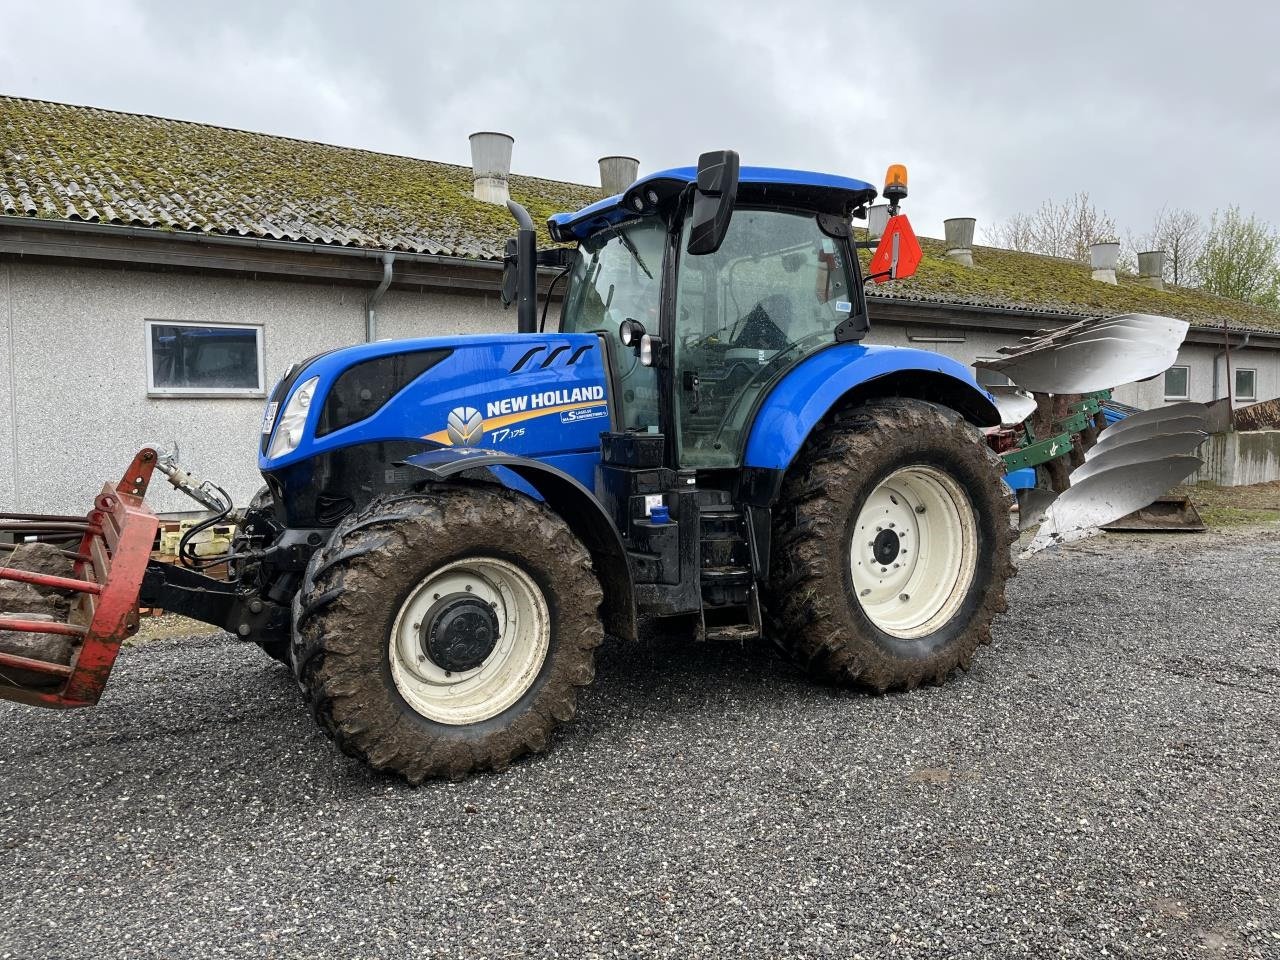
(1102, 260)
(618, 173)
(959, 233)
(1151, 269)
(877, 217)
(491, 166)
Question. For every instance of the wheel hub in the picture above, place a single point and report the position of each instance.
(912, 552)
(885, 547)
(459, 632)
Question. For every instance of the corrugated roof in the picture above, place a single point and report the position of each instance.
(79, 163)
(1010, 280)
(66, 162)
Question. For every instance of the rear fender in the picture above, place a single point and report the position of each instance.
(851, 373)
(573, 502)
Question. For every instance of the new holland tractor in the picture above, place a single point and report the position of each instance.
(450, 526)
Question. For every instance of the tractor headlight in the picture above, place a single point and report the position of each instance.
(289, 427)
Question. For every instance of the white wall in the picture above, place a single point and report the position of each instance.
(73, 380)
(6, 391)
(75, 354)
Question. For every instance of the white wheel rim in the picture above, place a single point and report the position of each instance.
(920, 588)
(524, 637)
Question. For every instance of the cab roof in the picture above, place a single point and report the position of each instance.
(820, 192)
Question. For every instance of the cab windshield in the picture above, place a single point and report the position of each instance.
(618, 276)
(774, 292)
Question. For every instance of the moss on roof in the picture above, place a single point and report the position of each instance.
(80, 163)
(66, 162)
(1005, 278)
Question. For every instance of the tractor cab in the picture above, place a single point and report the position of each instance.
(708, 284)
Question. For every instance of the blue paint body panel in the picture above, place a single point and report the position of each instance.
(804, 395)
(1023, 479)
(607, 212)
(538, 411)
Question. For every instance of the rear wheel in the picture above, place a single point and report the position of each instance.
(447, 632)
(891, 547)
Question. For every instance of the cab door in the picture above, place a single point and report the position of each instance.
(618, 276)
(773, 293)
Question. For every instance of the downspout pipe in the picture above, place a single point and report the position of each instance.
(1225, 352)
(371, 301)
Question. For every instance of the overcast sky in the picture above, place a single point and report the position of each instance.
(993, 106)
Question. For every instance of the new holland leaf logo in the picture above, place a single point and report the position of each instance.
(465, 426)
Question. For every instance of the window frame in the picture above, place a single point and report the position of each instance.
(1253, 394)
(1164, 382)
(258, 392)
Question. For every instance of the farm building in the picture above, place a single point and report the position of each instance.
(158, 276)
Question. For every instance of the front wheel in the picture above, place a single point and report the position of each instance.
(447, 632)
(891, 547)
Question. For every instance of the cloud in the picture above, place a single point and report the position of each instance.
(994, 107)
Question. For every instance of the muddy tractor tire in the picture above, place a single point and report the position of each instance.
(891, 547)
(446, 632)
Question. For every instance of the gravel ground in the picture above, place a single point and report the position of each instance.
(1103, 781)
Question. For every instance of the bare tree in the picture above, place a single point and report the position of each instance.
(1241, 259)
(1063, 229)
(1180, 233)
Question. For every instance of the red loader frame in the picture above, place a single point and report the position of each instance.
(115, 545)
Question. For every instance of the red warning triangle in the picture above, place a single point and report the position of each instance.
(899, 253)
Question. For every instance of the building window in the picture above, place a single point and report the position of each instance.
(199, 360)
(1246, 384)
(1177, 383)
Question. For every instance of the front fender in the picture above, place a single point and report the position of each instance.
(790, 411)
(571, 501)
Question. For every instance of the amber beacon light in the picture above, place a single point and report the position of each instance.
(895, 186)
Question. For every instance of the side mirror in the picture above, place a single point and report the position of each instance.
(713, 201)
(510, 279)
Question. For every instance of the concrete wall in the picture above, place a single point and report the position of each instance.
(73, 370)
(1237, 459)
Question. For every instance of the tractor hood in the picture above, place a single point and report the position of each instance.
(520, 393)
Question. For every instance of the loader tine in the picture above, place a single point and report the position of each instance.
(1139, 450)
(1109, 495)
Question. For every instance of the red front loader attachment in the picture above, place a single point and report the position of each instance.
(115, 542)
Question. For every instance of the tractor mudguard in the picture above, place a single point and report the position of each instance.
(573, 502)
(852, 372)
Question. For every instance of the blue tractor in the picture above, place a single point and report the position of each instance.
(451, 525)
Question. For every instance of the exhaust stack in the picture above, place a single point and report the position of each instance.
(959, 234)
(491, 166)
(1103, 258)
(618, 173)
(1151, 269)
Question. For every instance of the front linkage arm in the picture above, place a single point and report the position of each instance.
(218, 602)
